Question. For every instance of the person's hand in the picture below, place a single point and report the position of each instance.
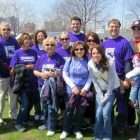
(29, 66)
(75, 90)
(126, 84)
(44, 75)
(83, 92)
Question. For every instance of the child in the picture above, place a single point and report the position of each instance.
(134, 75)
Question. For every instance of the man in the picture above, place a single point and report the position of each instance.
(119, 51)
(135, 42)
(10, 45)
(75, 34)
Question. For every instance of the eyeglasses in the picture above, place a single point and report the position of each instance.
(64, 39)
(80, 49)
(90, 40)
(136, 29)
(6, 29)
(50, 45)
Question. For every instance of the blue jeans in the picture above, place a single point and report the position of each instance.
(50, 116)
(24, 109)
(103, 124)
(135, 94)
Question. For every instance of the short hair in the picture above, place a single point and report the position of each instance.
(94, 35)
(79, 43)
(37, 32)
(114, 21)
(23, 37)
(76, 18)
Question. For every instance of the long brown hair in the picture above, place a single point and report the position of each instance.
(104, 61)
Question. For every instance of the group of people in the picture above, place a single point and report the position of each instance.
(70, 75)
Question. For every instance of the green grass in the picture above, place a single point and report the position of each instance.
(8, 132)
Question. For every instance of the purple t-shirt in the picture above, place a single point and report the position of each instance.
(65, 53)
(23, 57)
(45, 62)
(39, 50)
(10, 45)
(26, 57)
(76, 37)
(120, 51)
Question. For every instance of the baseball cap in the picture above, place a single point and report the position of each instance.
(135, 23)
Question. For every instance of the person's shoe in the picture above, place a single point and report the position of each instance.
(20, 128)
(1, 120)
(42, 127)
(37, 117)
(50, 133)
(42, 118)
(63, 135)
(79, 135)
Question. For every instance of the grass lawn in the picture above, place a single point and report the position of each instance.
(8, 132)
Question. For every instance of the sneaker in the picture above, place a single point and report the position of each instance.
(37, 117)
(42, 127)
(1, 120)
(50, 133)
(20, 128)
(42, 118)
(79, 135)
(63, 135)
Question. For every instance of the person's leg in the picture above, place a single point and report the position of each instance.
(4, 84)
(99, 120)
(107, 110)
(52, 118)
(23, 111)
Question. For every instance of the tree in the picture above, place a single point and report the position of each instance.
(87, 10)
(134, 9)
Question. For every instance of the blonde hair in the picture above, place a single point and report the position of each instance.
(49, 40)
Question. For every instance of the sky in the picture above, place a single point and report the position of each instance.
(43, 9)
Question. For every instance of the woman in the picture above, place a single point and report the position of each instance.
(64, 49)
(102, 76)
(22, 64)
(40, 35)
(48, 68)
(76, 76)
(92, 39)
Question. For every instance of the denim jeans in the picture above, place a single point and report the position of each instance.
(24, 109)
(135, 94)
(50, 115)
(103, 124)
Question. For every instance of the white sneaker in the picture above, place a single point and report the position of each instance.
(20, 128)
(63, 135)
(37, 117)
(1, 120)
(79, 135)
(50, 133)
(42, 127)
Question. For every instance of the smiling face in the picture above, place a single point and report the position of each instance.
(64, 39)
(114, 29)
(40, 37)
(79, 51)
(75, 26)
(5, 30)
(96, 56)
(136, 32)
(49, 45)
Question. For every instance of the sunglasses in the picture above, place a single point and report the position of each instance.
(64, 39)
(136, 29)
(90, 40)
(80, 49)
(6, 29)
(50, 45)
